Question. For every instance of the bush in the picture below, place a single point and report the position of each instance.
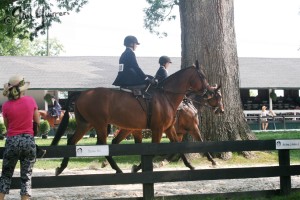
(44, 128)
(147, 133)
(72, 125)
(2, 130)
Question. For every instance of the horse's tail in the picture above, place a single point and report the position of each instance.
(65, 120)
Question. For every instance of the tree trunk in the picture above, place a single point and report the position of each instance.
(208, 36)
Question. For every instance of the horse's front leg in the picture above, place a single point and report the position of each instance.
(71, 141)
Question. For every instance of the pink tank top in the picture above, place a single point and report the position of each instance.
(19, 114)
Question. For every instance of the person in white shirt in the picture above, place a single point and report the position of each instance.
(263, 115)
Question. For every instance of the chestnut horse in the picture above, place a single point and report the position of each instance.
(52, 120)
(186, 120)
(98, 107)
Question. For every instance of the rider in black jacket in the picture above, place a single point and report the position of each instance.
(162, 73)
(129, 71)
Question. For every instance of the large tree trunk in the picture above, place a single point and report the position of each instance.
(208, 35)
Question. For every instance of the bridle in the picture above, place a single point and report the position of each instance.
(205, 99)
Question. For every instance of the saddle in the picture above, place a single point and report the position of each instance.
(138, 90)
(142, 91)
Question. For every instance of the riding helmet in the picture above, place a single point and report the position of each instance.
(130, 39)
(164, 59)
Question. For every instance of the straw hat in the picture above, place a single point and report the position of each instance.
(16, 81)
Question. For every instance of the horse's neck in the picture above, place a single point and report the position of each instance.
(177, 85)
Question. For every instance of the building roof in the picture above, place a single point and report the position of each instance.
(278, 73)
(71, 73)
(78, 73)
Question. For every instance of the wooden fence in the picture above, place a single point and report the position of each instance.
(148, 177)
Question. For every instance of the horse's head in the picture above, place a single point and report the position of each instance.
(212, 98)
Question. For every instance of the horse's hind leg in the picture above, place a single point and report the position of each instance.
(171, 133)
(102, 139)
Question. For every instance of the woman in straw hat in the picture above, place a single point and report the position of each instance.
(19, 113)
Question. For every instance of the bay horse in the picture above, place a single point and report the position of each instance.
(98, 107)
(187, 120)
(52, 120)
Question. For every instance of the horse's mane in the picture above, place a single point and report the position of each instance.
(172, 76)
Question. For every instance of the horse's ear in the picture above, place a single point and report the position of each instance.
(197, 65)
(219, 86)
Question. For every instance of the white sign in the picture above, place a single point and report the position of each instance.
(287, 144)
(86, 151)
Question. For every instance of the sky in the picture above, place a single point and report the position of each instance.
(264, 28)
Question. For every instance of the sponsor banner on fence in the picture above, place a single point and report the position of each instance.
(287, 144)
(86, 151)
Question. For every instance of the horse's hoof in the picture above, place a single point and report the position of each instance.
(214, 163)
(119, 172)
(104, 164)
(134, 169)
(58, 171)
(192, 168)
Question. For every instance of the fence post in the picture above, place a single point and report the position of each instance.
(148, 188)
(259, 123)
(285, 181)
(284, 125)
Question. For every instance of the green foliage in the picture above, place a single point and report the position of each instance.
(158, 12)
(2, 128)
(44, 127)
(147, 134)
(29, 18)
(24, 47)
(39, 48)
(273, 96)
(14, 47)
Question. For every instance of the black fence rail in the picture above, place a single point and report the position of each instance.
(148, 177)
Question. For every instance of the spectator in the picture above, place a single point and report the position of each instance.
(19, 113)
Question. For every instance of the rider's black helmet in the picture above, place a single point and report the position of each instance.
(130, 40)
(163, 60)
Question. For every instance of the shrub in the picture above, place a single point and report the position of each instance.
(147, 133)
(72, 125)
(273, 96)
(2, 130)
(44, 127)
